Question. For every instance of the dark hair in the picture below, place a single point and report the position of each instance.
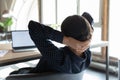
(75, 26)
(88, 17)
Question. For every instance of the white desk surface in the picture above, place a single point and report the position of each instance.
(94, 44)
(99, 44)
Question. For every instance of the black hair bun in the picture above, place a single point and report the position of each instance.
(88, 17)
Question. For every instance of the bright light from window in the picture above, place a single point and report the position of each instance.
(23, 12)
(65, 9)
(55, 11)
(91, 6)
(48, 12)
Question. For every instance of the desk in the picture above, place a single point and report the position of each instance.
(12, 57)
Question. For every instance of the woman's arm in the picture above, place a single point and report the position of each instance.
(38, 34)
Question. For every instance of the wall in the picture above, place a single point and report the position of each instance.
(114, 28)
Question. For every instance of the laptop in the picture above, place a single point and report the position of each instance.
(21, 41)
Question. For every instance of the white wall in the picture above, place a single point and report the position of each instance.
(114, 28)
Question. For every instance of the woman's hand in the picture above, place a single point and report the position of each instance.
(76, 46)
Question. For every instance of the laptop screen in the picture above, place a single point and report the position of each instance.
(21, 39)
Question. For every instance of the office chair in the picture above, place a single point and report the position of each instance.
(46, 76)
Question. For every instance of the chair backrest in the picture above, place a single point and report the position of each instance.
(46, 76)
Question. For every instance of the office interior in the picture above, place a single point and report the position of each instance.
(53, 12)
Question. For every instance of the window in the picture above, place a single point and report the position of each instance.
(93, 7)
(48, 14)
(55, 11)
(23, 11)
(65, 8)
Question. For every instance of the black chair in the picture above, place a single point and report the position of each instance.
(46, 76)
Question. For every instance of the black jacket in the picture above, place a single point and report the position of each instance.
(54, 58)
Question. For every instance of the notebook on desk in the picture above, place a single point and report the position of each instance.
(21, 41)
